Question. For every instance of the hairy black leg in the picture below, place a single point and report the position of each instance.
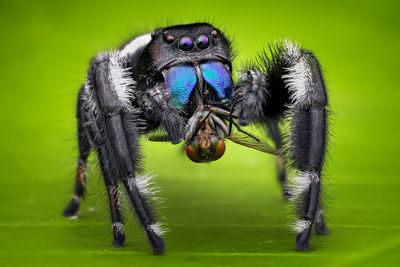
(112, 190)
(110, 183)
(116, 217)
(319, 222)
(119, 136)
(73, 206)
(118, 141)
(276, 136)
(288, 84)
(308, 141)
(152, 229)
(80, 180)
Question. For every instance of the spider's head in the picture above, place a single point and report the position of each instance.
(185, 57)
(190, 43)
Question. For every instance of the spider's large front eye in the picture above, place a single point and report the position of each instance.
(186, 44)
(202, 42)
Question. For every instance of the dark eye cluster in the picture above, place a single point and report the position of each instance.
(187, 44)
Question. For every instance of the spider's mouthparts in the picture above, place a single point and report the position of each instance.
(203, 138)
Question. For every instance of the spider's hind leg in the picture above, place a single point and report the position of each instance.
(80, 180)
(276, 136)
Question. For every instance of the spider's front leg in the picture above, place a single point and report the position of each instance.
(113, 126)
(289, 85)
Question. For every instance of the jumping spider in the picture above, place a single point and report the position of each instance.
(179, 79)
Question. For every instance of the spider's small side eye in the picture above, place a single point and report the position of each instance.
(186, 44)
(202, 42)
(168, 38)
(155, 34)
(214, 33)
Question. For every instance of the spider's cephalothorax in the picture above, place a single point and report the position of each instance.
(193, 64)
(178, 81)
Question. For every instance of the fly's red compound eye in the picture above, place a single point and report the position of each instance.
(192, 155)
(220, 150)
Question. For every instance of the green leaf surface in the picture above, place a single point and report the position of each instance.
(230, 212)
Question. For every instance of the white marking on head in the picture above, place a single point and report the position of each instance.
(136, 44)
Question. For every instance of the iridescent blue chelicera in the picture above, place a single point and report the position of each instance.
(180, 81)
(218, 78)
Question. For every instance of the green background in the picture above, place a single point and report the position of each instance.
(229, 212)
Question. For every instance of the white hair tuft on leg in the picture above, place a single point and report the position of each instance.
(300, 225)
(292, 51)
(158, 228)
(121, 79)
(298, 82)
(146, 185)
(148, 190)
(117, 226)
(299, 77)
(300, 183)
